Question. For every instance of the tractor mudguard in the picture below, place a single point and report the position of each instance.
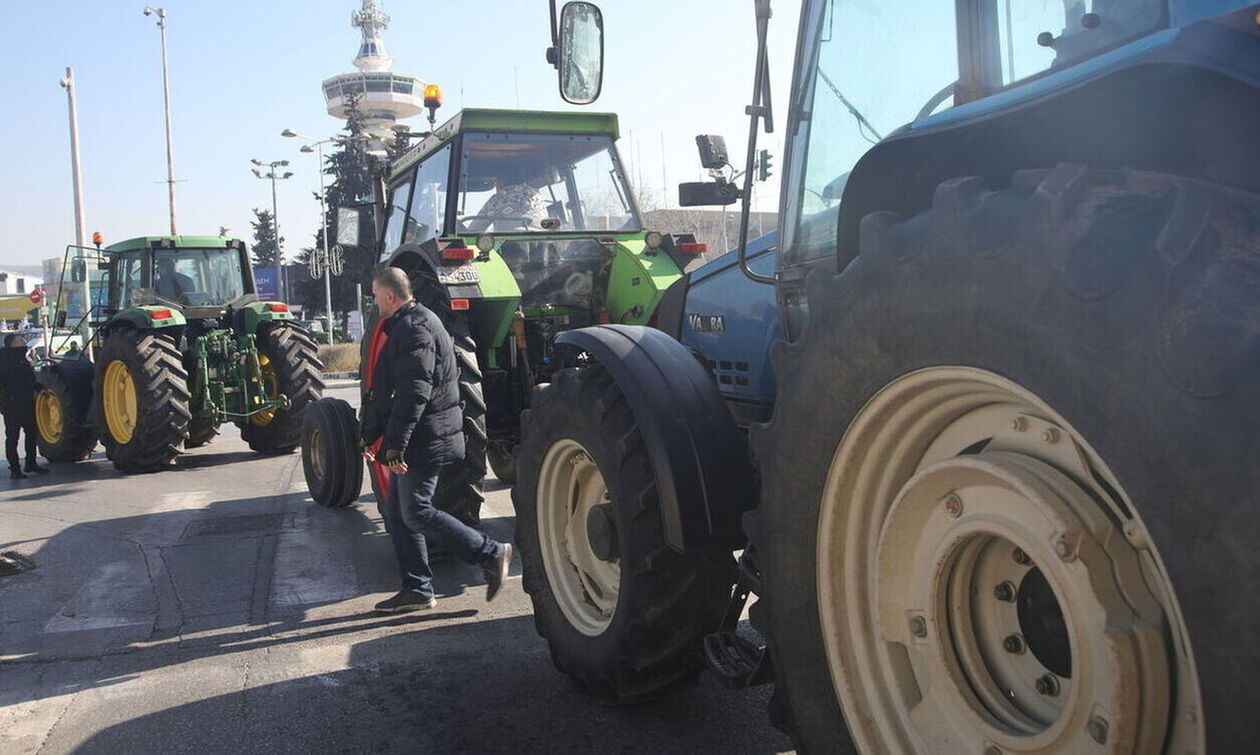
(700, 459)
(255, 313)
(142, 317)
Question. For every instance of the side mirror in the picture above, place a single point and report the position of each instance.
(707, 193)
(78, 271)
(713, 153)
(61, 319)
(579, 52)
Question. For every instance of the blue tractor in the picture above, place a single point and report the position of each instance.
(982, 422)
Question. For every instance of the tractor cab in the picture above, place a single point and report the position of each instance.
(201, 277)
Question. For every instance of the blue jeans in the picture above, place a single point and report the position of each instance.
(411, 518)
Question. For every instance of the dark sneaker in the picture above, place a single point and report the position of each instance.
(35, 468)
(16, 473)
(406, 601)
(498, 571)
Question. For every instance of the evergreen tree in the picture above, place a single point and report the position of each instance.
(263, 250)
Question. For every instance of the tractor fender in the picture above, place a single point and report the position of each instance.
(141, 318)
(700, 458)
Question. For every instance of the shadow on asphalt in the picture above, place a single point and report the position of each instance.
(485, 687)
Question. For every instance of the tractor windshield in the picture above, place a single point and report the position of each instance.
(198, 277)
(531, 183)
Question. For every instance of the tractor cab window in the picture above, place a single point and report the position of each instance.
(417, 206)
(870, 69)
(129, 267)
(1037, 37)
(542, 183)
(198, 277)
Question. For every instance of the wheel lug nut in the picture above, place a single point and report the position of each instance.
(1005, 591)
(1047, 685)
(1064, 549)
(1019, 424)
(1013, 644)
(1021, 558)
(1051, 435)
(953, 505)
(918, 626)
(1097, 729)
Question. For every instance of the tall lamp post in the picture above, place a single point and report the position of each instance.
(80, 225)
(166, 99)
(323, 255)
(275, 221)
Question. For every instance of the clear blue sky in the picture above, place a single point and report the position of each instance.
(241, 72)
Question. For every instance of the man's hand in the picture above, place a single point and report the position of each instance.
(398, 467)
(393, 459)
(367, 454)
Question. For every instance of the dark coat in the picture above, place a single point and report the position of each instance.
(414, 402)
(17, 383)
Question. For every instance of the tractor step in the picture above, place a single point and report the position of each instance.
(737, 661)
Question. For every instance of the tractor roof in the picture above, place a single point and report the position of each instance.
(511, 121)
(195, 242)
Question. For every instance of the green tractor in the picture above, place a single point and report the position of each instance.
(182, 345)
(513, 226)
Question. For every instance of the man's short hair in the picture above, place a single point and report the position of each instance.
(395, 281)
(12, 339)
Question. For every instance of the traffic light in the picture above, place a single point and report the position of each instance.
(763, 165)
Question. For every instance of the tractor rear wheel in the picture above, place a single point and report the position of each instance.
(62, 398)
(623, 613)
(502, 460)
(142, 399)
(290, 367)
(330, 453)
(1011, 475)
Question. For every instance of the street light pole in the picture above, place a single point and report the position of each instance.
(323, 214)
(80, 225)
(275, 221)
(166, 100)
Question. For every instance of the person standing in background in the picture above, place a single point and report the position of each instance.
(17, 404)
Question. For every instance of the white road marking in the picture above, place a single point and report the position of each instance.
(117, 595)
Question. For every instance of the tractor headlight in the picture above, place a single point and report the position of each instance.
(653, 239)
(485, 243)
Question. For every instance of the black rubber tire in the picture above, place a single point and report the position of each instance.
(1127, 302)
(70, 382)
(502, 461)
(201, 430)
(161, 395)
(300, 375)
(330, 453)
(667, 601)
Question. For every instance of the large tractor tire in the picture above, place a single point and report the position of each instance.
(1010, 485)
(290, 367)
(623, 613)
(330, 453)
(62, 400)
(502, 460)
(142, 399)
(460, 489)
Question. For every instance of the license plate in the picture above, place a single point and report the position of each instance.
(458, 275)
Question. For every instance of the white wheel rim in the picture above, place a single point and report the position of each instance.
(585, 587)
(956, 469)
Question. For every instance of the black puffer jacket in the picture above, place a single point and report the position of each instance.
(414, 401)
(17, 383)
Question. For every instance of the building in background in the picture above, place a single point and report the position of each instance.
(383, 96)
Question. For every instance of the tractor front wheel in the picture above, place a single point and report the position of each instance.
(142, 395)
(61, 407)
(290, 367)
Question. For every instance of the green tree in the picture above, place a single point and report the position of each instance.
(263, 251)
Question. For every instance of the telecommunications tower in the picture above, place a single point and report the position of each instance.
(384, 97)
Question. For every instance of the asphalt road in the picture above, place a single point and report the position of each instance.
(214, 608)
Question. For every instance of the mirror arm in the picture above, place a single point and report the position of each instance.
(759, 109)
(553, 52)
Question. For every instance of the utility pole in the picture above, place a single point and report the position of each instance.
(80, 225)
(275, 221)
(166, 99)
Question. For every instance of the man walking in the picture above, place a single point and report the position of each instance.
(17, 403)
(414, 409)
